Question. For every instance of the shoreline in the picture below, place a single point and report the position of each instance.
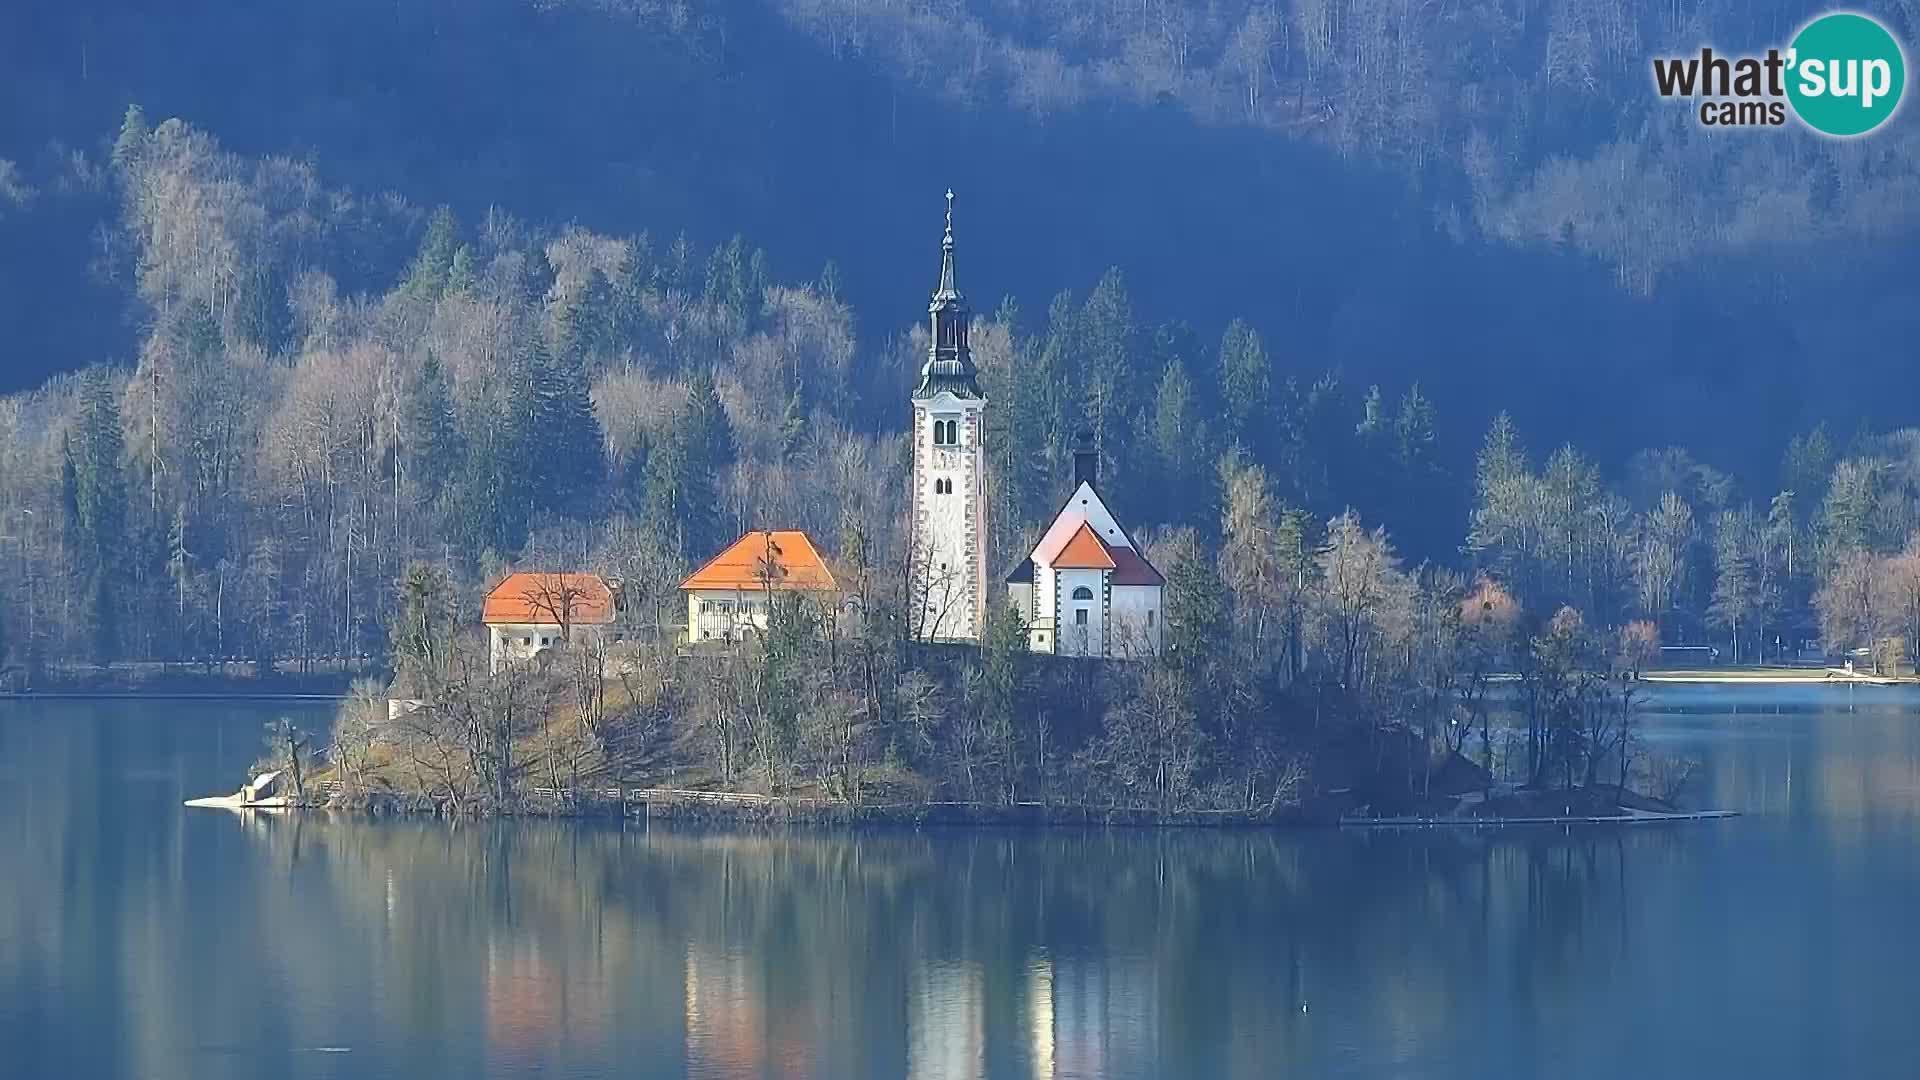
(747, 809)
(1633, 818)
(329, 688)
(166, 695)
(147, 681)
(1774, 676)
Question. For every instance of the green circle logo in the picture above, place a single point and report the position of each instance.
(1845, 74)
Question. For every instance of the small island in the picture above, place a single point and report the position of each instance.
(1286, 673)
(810, 714)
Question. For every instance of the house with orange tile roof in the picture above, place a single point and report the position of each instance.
(733, 591)
(1087, 590)
(530, 612)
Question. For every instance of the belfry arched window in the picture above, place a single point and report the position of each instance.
(1083, 593)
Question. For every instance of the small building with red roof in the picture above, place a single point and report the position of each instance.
(530, 612)
(1087, 590)
(733, 591)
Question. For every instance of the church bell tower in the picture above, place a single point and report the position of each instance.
(948, 595)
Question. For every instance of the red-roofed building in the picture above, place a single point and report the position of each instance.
(529, 612)
(733, 590)
(1087, 590)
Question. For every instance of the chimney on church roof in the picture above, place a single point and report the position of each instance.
(1086, 461)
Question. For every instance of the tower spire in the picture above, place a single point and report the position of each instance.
(947, 288)
(949, 358)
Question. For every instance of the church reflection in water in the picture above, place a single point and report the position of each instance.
(181, 945)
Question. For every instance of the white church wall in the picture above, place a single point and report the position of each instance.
(1136, 620)
(951, 515)
(1082, 622)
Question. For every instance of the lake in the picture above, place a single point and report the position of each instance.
(142, 939)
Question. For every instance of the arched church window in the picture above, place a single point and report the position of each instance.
(1083, 593)
(953, 433)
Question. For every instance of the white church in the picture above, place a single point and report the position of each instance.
(1085, 590)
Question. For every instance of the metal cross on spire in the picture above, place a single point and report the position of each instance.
(949, 236)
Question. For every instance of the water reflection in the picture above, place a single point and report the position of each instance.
(954, 954)
(140, 940)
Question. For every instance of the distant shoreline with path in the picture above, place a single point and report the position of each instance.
(1776, 676)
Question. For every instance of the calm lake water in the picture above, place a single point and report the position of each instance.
(142, 939)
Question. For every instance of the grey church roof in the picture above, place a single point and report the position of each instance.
(949, 365)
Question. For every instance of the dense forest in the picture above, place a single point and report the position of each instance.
(1482, 197)
(1420, 342)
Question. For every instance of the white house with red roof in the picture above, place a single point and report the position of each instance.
(528, 613)
(732, 593)
(1087, 590)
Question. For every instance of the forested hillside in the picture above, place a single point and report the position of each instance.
(1484, 198)
(328, 386)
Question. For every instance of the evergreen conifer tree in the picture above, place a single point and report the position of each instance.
(428, 275)
(714, 432)
(567, 440)
(1245, 383)
(435, 431)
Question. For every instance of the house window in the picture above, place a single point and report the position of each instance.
(528, 640)
(1080, 616)
(545, 640)
(1083, 593)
